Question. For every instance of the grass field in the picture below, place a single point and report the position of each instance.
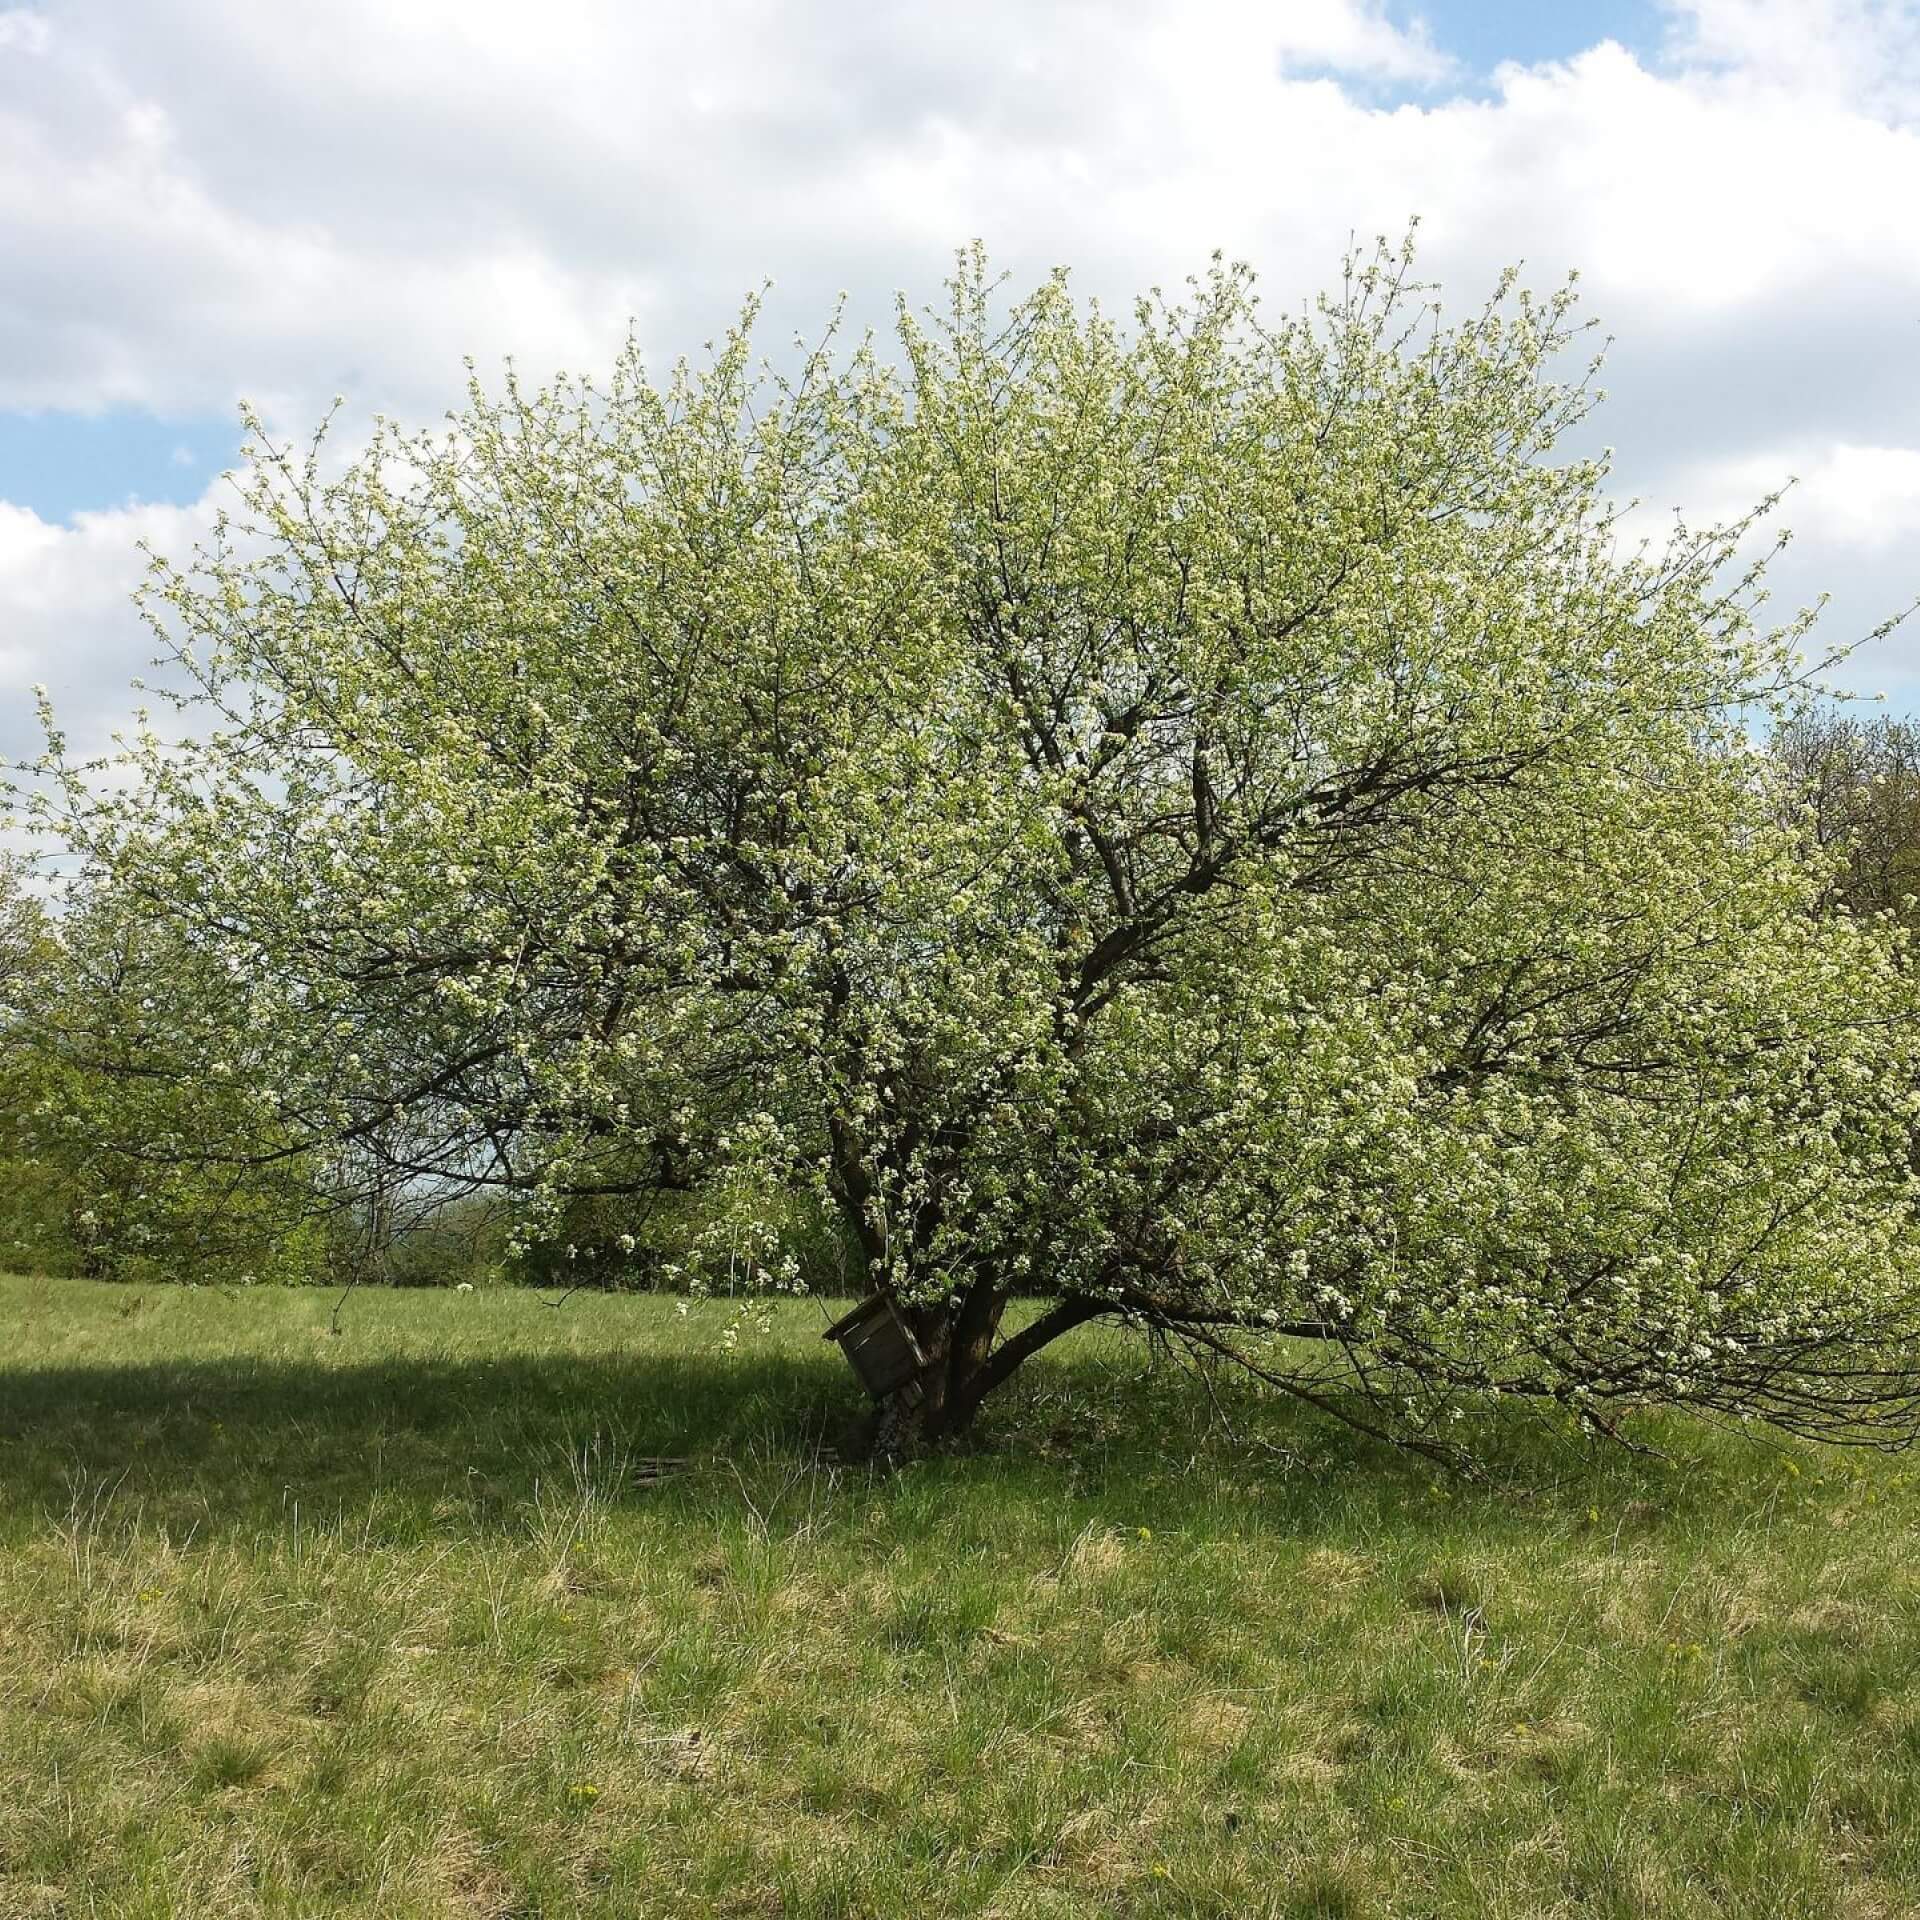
(393, 1623)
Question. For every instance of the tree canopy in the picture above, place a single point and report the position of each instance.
(1204, 820)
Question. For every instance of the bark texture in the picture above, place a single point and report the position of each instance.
(966, 1361)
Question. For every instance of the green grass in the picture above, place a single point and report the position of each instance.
(387, 1624)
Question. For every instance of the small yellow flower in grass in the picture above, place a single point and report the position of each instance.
(1593, 1516)
(1793, 1469)
(150, 1593)
(583, 1793)
(1146, 1533)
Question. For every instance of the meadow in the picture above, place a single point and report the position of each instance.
(406, 1620)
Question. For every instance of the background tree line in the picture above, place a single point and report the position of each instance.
(1855, 786)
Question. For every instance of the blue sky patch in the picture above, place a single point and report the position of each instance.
(60, 464)
(1482, 33)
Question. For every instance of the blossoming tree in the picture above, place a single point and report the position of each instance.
(1203, 821)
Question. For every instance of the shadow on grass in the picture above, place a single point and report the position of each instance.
(226, 1445)
(229, 1436)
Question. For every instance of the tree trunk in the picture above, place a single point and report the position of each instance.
(963, 1367)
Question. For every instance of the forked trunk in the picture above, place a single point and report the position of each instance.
(957, 1342)
(964, 1365)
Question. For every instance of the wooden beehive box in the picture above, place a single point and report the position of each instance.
(879, 1346)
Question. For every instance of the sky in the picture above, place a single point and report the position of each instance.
(203, 200)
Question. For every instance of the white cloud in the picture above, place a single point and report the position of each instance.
(201, 198)
(1849, 500)
(1868, 497)
(204, 195)
(1358, 40)
(66, 614)
(22, 30)
(1863, 54)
